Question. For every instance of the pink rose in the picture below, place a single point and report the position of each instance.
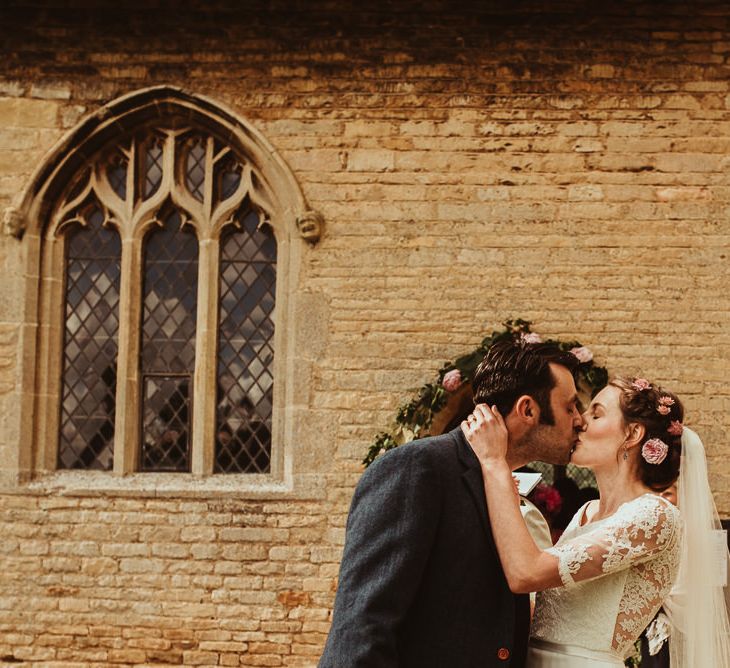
(530, 337)
(654, 451)
(452, 380)
(664, 410)
(641, 384)
(675, 428)
(583, 354)
(666, 401)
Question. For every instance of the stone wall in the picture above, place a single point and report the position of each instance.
(562, 162)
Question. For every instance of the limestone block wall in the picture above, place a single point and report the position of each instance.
(561, 162)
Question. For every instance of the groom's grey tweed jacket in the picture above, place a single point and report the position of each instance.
(420, 582)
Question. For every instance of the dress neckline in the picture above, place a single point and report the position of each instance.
(588, 522)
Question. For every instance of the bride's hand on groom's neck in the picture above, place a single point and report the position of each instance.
(487, 434)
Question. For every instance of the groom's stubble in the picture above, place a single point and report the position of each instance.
(543, 443)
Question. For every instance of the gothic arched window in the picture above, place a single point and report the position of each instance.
(162, 236)
(166, 191)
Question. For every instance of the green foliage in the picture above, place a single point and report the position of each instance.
(414, 418)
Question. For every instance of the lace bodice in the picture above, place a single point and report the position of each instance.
(616, 572)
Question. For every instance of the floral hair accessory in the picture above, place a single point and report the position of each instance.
(641, 384)
(675, 428)
(664, 405)
(654, 451)
(583, 354)
(530, 337)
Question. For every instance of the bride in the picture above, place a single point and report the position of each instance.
(626, 554)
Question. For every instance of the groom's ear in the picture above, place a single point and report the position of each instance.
(527, 410)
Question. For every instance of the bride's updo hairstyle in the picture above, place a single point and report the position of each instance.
(661, 412)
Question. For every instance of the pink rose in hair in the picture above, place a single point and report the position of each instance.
(675, 428)
(654, 451)
(666, 401)
(641, 384)
(530, 337)
(583, 354)
(664, 410)
(452, 380)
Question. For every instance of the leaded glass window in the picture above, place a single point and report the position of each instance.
(157, 221)
(90, 342)
(168, 345)
(246, 349)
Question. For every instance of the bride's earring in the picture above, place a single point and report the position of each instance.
(626, 453)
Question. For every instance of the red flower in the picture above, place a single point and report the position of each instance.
(547, 499)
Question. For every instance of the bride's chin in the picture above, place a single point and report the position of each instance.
(577, 460)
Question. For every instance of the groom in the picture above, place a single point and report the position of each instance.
(420, 581)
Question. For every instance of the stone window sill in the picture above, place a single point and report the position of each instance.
(170, 485)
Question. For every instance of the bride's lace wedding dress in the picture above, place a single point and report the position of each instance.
(616, 572)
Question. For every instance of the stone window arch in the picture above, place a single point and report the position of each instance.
(164, 236)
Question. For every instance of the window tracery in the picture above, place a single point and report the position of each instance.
(166, 191)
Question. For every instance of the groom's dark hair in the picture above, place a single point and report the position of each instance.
(512, 368)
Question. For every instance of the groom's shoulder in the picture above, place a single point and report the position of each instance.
(432, 450)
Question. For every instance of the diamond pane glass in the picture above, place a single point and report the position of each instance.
(168, 344)
(195, 170)
(246, 349)
(152, 168)
(166, 423)
(117, 174)
(90, 346)
(227, 181)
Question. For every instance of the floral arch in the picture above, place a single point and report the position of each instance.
(442, 404)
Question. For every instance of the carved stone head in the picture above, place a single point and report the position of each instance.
(13, 222)
(310, 226)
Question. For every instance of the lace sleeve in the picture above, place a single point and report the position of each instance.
(638, 531)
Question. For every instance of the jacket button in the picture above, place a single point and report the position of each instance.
(503, 653)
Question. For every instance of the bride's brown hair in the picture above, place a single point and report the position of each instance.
(640, 403)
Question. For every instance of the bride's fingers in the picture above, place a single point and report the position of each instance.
(497, 415)
(482, 411)
(473, 419)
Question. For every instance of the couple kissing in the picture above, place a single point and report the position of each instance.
(438, 562)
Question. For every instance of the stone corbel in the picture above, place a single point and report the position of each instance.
(310, 225)
(13, 222)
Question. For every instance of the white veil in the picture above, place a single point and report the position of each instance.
(697, 606)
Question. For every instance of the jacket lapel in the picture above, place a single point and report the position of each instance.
(472, 477)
